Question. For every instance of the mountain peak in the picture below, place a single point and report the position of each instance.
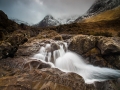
(48, 17)
(48, 20)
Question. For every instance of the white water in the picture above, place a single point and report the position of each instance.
(72, 62)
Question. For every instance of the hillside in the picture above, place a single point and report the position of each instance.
(107, 15)
(98, 7)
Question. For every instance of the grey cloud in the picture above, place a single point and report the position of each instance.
(34, 10)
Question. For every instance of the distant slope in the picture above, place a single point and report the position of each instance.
(21, 22)
(107, 15)
(98, 7)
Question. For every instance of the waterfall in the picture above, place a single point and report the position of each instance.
(72, 62)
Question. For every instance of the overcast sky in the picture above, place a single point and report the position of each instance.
(32, 11)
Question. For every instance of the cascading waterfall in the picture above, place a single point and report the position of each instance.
(72, 62)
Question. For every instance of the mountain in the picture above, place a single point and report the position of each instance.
(51, 21)
(21, 22)
(98, 7)
(108, 15)
(67, 20)
(48, 21)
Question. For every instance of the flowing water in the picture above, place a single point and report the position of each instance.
(71, 62)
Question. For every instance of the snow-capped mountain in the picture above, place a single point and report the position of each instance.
(67, 20)
(20, 22)
(98, 7)
(48, 21)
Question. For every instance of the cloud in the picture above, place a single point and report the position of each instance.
(33, 11)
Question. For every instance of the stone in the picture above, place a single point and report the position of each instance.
(36, 64)
(82, 43)
(38, 79)
(109, 45)
(54, 46)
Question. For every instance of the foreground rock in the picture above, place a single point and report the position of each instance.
(82, 43)
(15, 74)
(15, 77)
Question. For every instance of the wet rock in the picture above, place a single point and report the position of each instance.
(109, 45)
(29, 48)
(55, 46)
(107, 85)
(82, 43)
(114, 60)
(94, 57)
(36, 64)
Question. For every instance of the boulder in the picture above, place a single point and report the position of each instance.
(36, 64)
(97, 50)
(109, 45)
(82, 43)
(54, 46)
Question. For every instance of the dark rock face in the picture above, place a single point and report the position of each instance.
(103, 5)
(107, 85)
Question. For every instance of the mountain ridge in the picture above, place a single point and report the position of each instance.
(98, 7)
